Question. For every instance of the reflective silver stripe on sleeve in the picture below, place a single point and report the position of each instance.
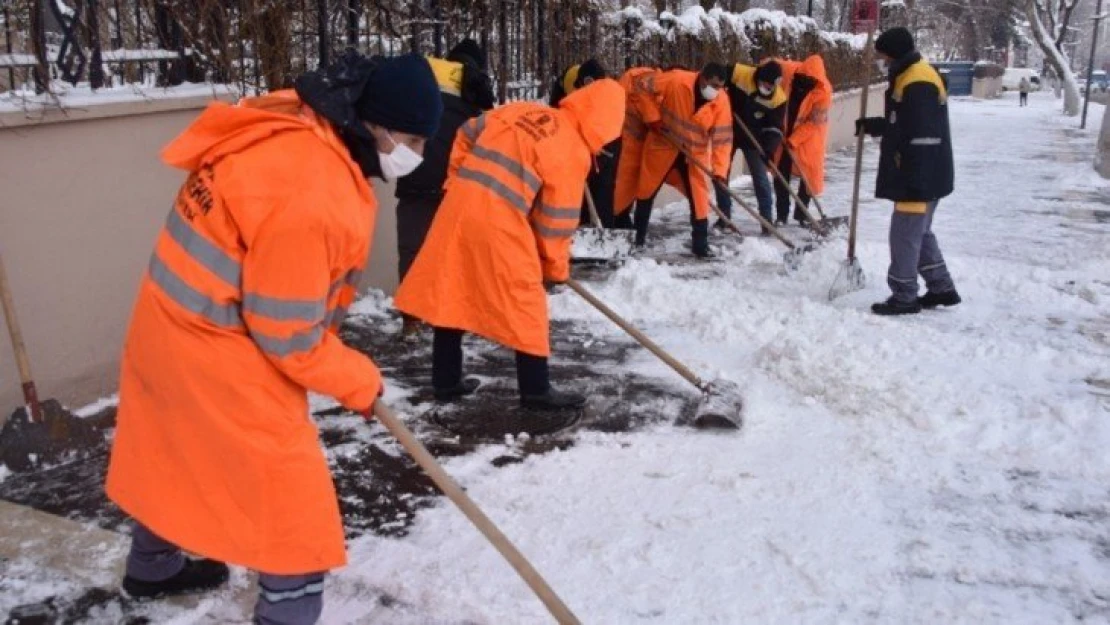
(282, 347)
(556, 212)
(211, 257)
(926, 141)
(489, 182)
(544, 231)
(280, 309)
(473, 128)
(223, 315)
(511, 165)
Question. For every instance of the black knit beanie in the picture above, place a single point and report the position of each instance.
(468, 50)
(402, 94)
(398, 93)
(768, 72)
(895, 43)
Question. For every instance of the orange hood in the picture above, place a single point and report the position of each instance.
(224, 129)
(597, 110)
(814, 67)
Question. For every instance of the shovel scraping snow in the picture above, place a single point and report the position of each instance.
(598, 244)
(721, 403)
(39, 432)
(851, 277)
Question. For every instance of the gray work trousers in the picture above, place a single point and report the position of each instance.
(914, 250)
(282, 599)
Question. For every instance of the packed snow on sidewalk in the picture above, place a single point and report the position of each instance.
(948, 467)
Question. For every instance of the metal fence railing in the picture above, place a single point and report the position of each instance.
(259, 45)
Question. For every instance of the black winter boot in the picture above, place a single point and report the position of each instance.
(931, 300)
(893, 307)
(196, 576)
(700, 233)
(465, 387)
(553, 400)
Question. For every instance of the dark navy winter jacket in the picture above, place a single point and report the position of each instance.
(915, 163)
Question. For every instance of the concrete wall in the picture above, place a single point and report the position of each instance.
(986, 88)
(84, 196)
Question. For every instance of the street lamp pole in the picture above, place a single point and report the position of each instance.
(1097, 19)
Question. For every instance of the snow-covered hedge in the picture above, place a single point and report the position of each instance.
(696, 36)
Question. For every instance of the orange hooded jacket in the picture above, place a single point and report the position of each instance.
(215, 450)
(809, 134)
(512, 203)
(706, 133)
(633, 134)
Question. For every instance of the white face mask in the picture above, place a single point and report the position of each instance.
(766, 91)
(709, 92)
(884, 67)
(400, 162)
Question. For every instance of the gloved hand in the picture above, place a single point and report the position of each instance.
(871, 126)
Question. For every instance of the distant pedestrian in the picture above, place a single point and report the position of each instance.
(1023, 91)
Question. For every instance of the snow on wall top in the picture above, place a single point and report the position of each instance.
(717, 23)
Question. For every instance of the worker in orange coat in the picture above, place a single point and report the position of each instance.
(633, 134)
(511, 206)
(601, 180)
(691, 109)
(809, 97)
(215, 452)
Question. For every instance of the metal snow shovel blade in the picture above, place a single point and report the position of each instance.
(598, 244)
(851, 277)
(721, 404)
(40, 432)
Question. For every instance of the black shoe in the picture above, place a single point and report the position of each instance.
(553, 400)
(781, 221)
(196, 576)
(721, 225)
(802, 221)
(764, 231)
(465, 387)
(893, 307)
(931, 300)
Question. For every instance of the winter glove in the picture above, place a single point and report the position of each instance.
(871, 126)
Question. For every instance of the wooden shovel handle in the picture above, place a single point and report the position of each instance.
(775, 169)
(594, 217)
(805, 181)
(640, 337)
(867, 57)
(735, 196)
(523, 567)
(23, 363)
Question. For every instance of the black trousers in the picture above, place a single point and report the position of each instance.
(602, 184)
(532, 375)
(642, 211)
(414, 218)
(782, 193)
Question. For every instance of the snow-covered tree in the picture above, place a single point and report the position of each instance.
(1048, 21)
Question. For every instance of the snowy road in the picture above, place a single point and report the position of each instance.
(949, 467)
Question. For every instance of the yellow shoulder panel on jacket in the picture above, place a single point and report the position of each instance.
(448, 75)
(743, 76)
(920, 71)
